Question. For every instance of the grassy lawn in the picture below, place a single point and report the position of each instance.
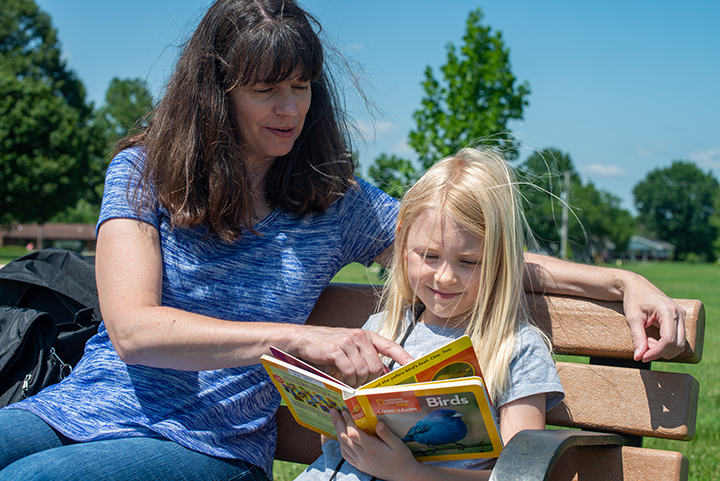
(678, 280)
(8, 253)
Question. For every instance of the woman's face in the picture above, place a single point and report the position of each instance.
(269, 118)
(443, 266)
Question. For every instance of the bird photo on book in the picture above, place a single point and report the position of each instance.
(444, 426)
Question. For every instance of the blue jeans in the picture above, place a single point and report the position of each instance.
(32, 450)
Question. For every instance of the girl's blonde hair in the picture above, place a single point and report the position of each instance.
(477, 190)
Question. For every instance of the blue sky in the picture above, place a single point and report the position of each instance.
(622, 87)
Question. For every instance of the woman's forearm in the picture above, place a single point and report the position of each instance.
(548, 275)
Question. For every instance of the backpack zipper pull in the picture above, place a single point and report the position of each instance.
(26, 385)
(65, 369)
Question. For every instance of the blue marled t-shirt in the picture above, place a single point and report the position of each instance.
(274, 276)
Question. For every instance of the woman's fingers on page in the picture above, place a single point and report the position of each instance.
(357, 358)
(391, 349)
(354, 353)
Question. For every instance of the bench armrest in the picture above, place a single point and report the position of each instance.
(531, 455)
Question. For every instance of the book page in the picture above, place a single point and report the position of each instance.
(309, 397)
(292, 360)
(456, 359)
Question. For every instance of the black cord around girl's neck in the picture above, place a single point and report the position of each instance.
(419, 309)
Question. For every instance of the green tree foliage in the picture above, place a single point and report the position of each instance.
(676, 204)
(715, 223)
(47, 140)
(596, 222)
(127, 105)
(394, 174)
(473, 101)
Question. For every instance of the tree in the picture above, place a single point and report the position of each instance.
(676, 204)
(715, 223)
(47, 140)
(473, 101)
(127, 104)
(596, 221)
(395, 174)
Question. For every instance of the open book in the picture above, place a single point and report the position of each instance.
(438, 404)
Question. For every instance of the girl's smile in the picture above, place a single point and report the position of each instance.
(443, 261)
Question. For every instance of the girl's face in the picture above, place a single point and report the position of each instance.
(443, 263)
(269, 118)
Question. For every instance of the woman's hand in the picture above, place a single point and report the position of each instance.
(645, 305)
(354, 353)
(385, 457)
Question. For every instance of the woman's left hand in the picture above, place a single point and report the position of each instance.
(645, 305)
(385, 457)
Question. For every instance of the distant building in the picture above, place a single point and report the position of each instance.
(77, 237)
(645, 248)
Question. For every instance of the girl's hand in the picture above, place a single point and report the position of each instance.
(386, 457)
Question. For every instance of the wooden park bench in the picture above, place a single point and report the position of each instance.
(613, 402)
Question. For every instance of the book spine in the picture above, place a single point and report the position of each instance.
(358, 414)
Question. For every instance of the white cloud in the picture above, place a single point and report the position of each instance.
(709, 158)
(372, 131)
(650, 151)
(355, 47)
(402, 149)
(602, 170)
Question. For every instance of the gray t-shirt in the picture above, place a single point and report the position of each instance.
(532, 371)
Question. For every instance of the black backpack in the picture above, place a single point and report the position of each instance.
(48, 309)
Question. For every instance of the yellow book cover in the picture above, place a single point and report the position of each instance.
(440, 420)
(449, 376)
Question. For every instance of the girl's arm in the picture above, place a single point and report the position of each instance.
(387, 457)
(644, 304)
(129, 280)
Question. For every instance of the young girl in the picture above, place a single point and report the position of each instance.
(458, 269)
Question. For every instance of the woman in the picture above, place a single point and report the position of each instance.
(237, 204)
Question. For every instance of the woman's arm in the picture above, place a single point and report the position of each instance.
(387, 457)
(644, 304)
(129, 279)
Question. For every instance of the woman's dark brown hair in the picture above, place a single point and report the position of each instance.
(195, 164)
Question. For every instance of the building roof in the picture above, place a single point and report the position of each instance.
(638, 242)
(50, 231)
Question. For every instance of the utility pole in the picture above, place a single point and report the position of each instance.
(565, 214)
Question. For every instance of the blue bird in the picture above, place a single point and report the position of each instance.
(444, 426)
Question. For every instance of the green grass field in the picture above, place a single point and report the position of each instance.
(8, 253)
(678, 280)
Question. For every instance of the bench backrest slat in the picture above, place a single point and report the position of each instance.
(583, 327)
(628, 401)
